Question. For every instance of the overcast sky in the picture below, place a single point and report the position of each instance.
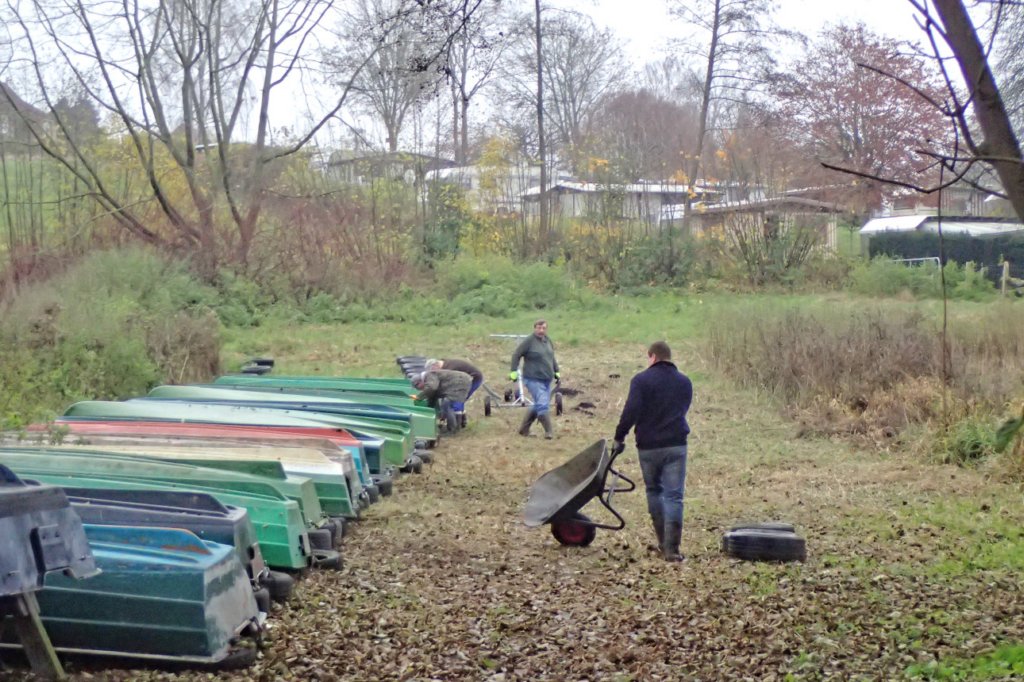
(646, 24)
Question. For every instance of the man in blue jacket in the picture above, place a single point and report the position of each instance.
(659, 398)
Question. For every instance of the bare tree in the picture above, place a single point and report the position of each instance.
(395, 52)
(947, 22)
(473, 59)
(189, 85)
(734, 55)
(581, 65)
(642, 134)
(1008, 27)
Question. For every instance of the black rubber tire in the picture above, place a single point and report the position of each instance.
(762, 544)
(386, 487)
(320, 538)
(487, 406)
(280, 585)
(424, 455)
(416, 465)
(373, 492)
(573, 533)
(262, 597)
(558, 404)
(768, 525)
(338, 524)
(327, 559)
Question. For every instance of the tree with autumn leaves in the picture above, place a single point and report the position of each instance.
(846, 105)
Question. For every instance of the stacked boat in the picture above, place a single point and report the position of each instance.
(224, 493)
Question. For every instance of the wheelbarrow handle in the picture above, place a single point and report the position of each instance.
(618, 475)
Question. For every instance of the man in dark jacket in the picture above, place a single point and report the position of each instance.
(459, 366)
(659, 398)
(442, 388)
(539, 367)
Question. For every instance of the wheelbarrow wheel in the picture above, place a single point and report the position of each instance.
(574, 532)
(487, 406)
(558, 404)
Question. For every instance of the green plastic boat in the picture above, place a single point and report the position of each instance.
(277, 520)
(395, 450)
(162, 593)
(278, 462)
(422, 420)
(391, 387)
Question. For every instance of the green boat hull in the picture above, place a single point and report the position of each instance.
(396, 449)
(277, 521)
(390, 387)
(162, 594)
(422, 420)
(253, 478)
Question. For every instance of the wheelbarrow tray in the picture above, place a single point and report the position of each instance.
(559, 494)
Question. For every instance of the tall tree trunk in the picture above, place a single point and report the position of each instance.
(1000, 143)
(545, 219)
(702, 127)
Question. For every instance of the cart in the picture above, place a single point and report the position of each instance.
(515, 397)
(557, 496)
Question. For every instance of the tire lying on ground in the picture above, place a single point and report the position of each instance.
(768, 525)
(764, 544)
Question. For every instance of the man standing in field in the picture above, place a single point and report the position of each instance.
(659, 398)
(539, 368)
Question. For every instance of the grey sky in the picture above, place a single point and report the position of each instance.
(646, 25)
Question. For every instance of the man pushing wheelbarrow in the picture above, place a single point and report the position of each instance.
(658, 402)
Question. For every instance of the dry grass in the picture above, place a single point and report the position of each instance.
(907, 562)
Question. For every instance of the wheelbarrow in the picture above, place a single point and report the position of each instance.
(557, 496)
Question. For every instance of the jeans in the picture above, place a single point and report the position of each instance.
(540, 391)
(664, 472)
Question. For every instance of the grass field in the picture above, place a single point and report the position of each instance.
(913, 570)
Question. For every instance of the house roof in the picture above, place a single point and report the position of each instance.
(633, 188)
(788, 204)
(974, 227)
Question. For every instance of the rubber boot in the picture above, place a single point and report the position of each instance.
(658, 521)
(673, 535)
(549, 430)
(524, 428)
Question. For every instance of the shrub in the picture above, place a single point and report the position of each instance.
(967, 442)
(882, 276)
(110, 327)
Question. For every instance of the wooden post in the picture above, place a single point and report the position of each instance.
(1006, 277)
(24, 609)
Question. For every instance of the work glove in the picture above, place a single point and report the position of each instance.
(618, 447)
(513, 375)
(558, 376)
